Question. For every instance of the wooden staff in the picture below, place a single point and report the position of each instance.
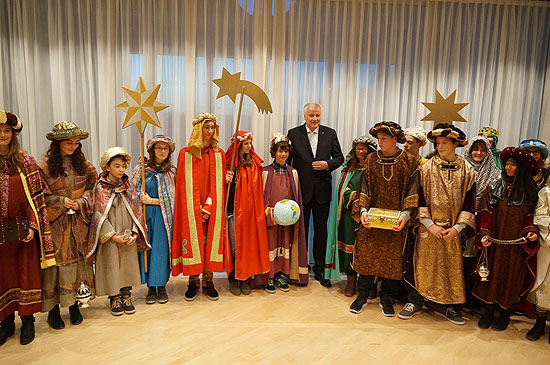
(143, 191)
(234, 149)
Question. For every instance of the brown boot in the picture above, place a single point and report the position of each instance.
(349, 291)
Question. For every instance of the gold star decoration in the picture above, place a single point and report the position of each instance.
(444, 110)
(141, 106)
(231, 85)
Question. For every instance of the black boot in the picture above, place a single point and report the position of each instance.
(538, 329)
(54, 318)
(74, 313)
(503, 320)
(151, 296)
(7, 328)
(27, 330)
(488, 318)
(162, 295)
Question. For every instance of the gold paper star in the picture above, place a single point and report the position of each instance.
(444, 110)
(141, 106)
(231, 85)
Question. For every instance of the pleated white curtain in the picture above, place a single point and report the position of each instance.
(364, 61)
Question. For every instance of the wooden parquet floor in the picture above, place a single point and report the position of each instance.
(306, 325)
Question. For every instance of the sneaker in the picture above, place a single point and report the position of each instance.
(358, 304)
(408, 311)
(127, 305)
(387, 307)
(270, 287)
(116, 305)
(162, 296)
(211, 292)
(191, 293)
(451, 315)
(281, 284)
(151, 296)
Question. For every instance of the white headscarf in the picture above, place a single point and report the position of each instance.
(487, 172)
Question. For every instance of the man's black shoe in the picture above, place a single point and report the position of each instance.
(321, 278)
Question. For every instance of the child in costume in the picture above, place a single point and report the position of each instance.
(287, 244)
(388, 181)
(199, 243)
(540, 295)
(415, 140)
(539, 150)
(480, 155)
(22, 256)
(492, 136)
(342, 227)
(69, 184)
(117, 232)
(446, 207)
(246, 215)
(159, 198)
(506, 214)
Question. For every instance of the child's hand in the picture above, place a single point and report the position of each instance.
(131, 239)
(229, 176)
(364, 220)
(146, 199)
(120, 238)
(68, 203)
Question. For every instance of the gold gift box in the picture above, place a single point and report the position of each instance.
(382, 218)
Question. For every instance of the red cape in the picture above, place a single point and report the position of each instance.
(189, 250)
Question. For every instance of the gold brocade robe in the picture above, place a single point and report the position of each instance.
(386, 183)
(447, 197)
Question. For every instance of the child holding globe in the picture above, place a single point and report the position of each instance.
(287, 244)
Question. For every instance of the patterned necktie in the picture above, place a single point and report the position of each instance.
(313, 142)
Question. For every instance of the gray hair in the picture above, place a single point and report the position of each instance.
(311, 106)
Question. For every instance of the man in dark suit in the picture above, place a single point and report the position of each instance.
(315, 154)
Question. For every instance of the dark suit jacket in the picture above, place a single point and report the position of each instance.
(315, 183)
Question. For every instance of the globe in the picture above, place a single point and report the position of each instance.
(286, 212)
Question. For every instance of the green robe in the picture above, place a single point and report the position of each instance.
(341, 229)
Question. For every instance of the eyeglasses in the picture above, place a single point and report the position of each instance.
(162, 149)
(361, 150)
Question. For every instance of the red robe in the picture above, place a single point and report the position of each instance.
(251, 247)
(196, 244)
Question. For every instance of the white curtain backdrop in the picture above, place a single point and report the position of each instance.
(364, 61)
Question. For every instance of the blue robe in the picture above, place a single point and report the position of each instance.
(158, 258)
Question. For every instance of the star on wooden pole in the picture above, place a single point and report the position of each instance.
(231, 85)
(141, 106)
(444, 110)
